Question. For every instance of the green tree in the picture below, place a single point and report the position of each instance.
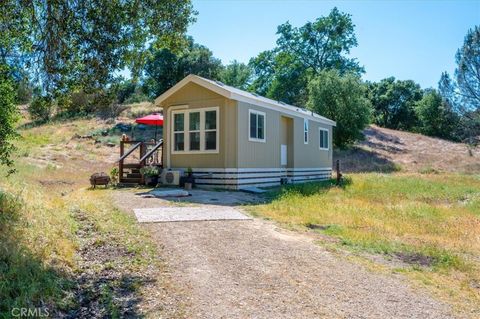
(69, 44)
(236, 74)
(342, 99)
(302, 53)
(8, 117)
(165, 68)
(393, 103)
(468, 70)
(463, 92)
(323, 44)
(436, 116)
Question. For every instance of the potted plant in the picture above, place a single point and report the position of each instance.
(150, 174)
(189, 180)
(114, 178)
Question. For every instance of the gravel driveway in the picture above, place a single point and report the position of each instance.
(252, 269)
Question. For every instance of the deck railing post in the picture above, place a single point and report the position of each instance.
(120, 163)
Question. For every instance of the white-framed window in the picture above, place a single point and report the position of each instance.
(323, 134)
(256, 125)
(305, 131)
(195, 130)
(178, 132)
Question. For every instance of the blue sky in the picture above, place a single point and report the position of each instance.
(407, 39)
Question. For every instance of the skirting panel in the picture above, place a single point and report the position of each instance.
(238, 178)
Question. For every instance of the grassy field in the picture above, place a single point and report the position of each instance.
(424, 225)
(62, 244)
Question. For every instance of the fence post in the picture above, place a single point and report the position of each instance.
(339, 175)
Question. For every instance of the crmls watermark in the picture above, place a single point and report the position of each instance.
(30, 312)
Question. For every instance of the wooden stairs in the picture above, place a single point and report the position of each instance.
(150, 154)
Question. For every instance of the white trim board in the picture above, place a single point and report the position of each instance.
(269, 169)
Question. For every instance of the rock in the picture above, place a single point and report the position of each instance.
(124, 127)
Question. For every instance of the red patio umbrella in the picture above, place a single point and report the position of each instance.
(152, 119)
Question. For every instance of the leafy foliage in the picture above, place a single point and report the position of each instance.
(165, 67)
(342, 99)
(322, 44)
(236, 74)
(393, 103)
(436, 116)
(80, 44)
(8, 116)
(41, 109)
(301, 53)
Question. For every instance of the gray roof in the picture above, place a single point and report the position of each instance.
(244, 96)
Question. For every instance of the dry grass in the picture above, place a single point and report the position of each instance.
(39, 254)
(389, 150)
(140, 109)
(427, 225)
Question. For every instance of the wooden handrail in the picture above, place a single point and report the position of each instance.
(134, 147)
(150, 153)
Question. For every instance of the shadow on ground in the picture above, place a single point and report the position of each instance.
(238, 198)
(359, 160)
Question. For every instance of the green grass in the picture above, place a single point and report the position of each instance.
(26, 275)
(434, 217)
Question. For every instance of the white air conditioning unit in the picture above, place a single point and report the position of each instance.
(170, 177)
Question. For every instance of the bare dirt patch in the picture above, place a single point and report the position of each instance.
(388, 150)
(416, 259)
(103, 287)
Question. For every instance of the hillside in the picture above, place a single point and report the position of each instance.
(390, 150)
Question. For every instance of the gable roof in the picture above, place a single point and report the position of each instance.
(243, 96)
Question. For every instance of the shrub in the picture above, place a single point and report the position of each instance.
(136, 97)
(8, 117)
(105, 105)
(41, 108)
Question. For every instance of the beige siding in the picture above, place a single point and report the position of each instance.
(195, 96)
(257, 154)
(267, 155)
(310, 155)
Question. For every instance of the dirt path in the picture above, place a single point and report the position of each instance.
(252, 269)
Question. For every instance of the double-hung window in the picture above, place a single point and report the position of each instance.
(178, 132)
(305, 131)
(211, 134)
(323, 139)
(256, 123)
(195, 130)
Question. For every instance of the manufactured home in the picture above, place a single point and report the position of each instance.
(235, 139)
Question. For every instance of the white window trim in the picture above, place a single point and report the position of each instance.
(251, 139)
(328, 139)
(306, 131)
(186, 130)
